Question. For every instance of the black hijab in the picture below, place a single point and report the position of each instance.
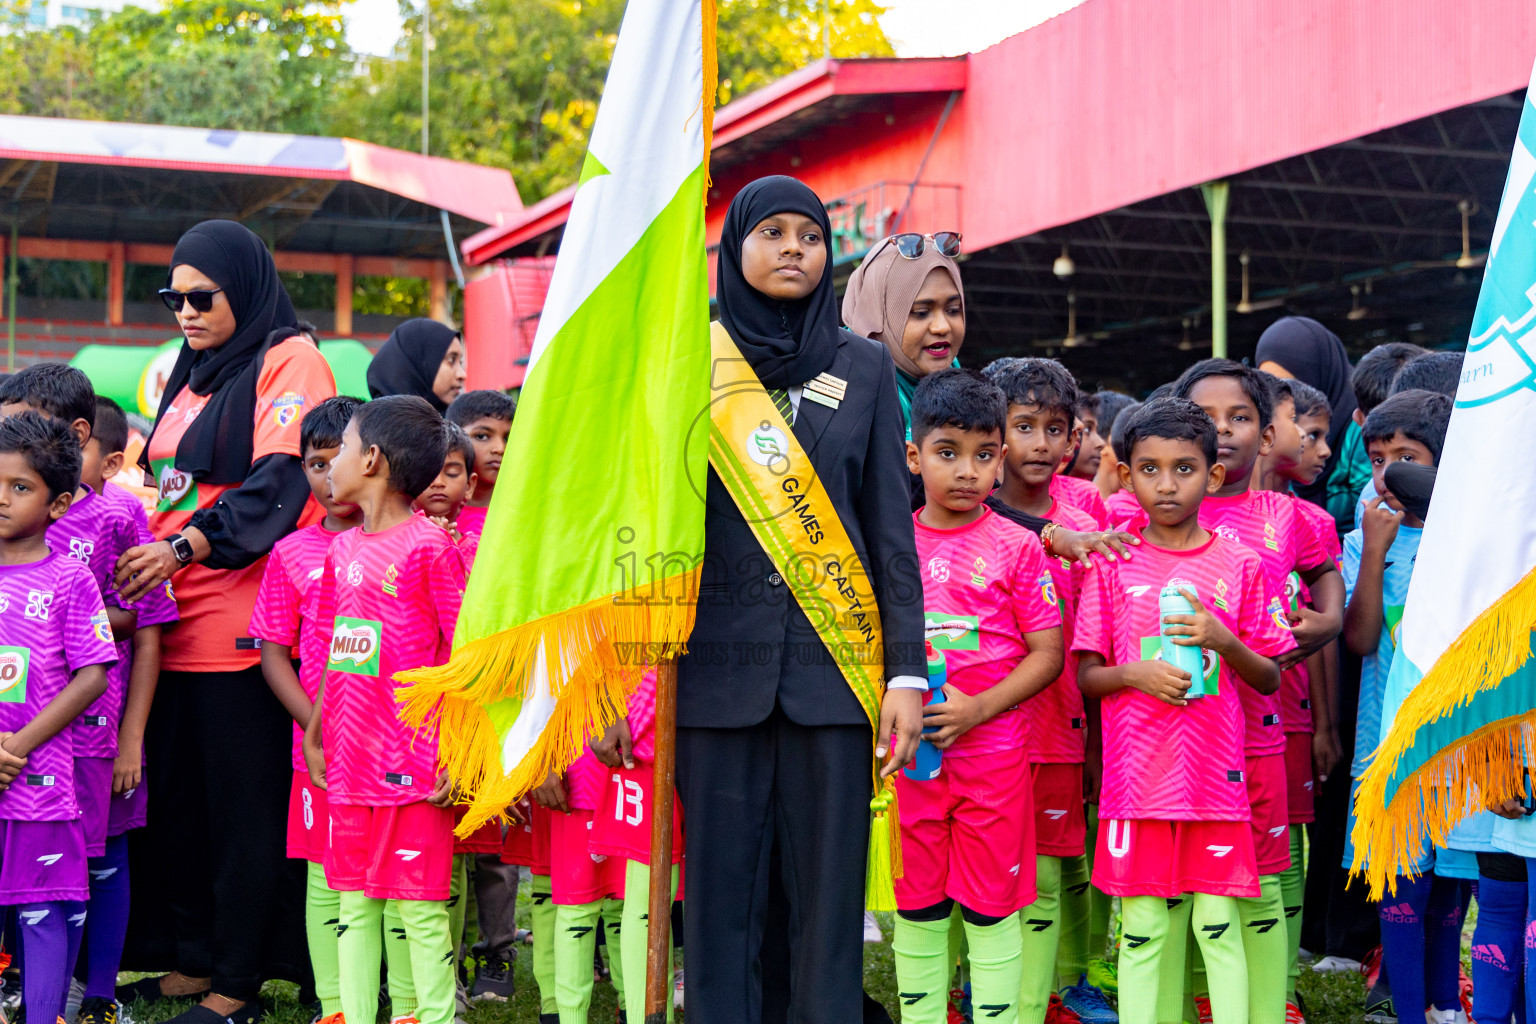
(1313, 354)
(787, 343)
(408, 362)
(217, 447)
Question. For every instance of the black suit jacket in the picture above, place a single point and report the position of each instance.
(751, 643)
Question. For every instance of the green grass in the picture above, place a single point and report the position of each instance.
(1328, 998)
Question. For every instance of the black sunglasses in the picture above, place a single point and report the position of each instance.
(911, 244)
(201, 299)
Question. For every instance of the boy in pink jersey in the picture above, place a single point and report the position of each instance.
(118, 731)
(1041, 398)
(1082, 495)
(486, 416)
(392, 590)
(1268, 523)
(53, 664)
(286, 618)
(621, 828)
(444, 500)
(1173, 804)
(989, 607)
(1308, 691)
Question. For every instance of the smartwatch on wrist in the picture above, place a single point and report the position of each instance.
(181, 548)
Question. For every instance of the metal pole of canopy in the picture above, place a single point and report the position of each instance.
(658, 973)
(1216, 194)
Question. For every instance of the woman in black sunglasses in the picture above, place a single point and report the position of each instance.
(224, 453)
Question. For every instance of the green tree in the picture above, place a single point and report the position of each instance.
(516, 83)
(241, 64)
(47, 74)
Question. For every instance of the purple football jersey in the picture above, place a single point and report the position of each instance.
(52, 623)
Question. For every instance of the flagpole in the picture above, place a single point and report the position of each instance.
(658, 978)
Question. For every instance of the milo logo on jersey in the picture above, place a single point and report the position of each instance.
(952, 632)
(13, 674)
(1293, 592)
(177, 490)
(1392, 617)
(1210, 662)
(355, 646)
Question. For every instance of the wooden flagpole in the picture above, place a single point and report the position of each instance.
(658, 976)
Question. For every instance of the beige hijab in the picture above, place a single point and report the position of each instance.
(881, 291)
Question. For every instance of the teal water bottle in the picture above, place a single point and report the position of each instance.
(925, 766)
(1190, 659)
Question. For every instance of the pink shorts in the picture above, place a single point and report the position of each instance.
(969, 835)
(1146, 857)
(621, 825)
(309, 820)
(1060, 827)
(42, 861)
(1268, 816)
(528, 844)
(403, 852)
(577, 875)
(1300, 783)
(485, 839)
(93, 790)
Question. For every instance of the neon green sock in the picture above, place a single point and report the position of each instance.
(957, 949)
(613, 931)
(1264, 945)
(1101, 905)
(458, 898)
(471, 933)
(1145, 923)
(542, 913)
(397, 961)
(636, 936)
(359, 948)
(1215, 924)
(432, 963)
(1293, 885)
(1040, 932)
(322, 913)
(575, 943)
(923, 969)
(1173, 962)
(1073, 949)
(997, 969)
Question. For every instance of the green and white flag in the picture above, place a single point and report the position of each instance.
(587, 568)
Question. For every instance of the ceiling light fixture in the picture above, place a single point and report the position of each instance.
(1064, 267)
(1467, 207)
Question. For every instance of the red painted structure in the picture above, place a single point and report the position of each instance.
(1107, 105)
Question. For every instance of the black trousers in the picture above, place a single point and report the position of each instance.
(785, 799)
(213, 891)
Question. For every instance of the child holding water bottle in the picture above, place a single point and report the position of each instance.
(990, 610)
(1174, 841)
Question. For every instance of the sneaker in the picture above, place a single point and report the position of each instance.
(407, 1018)
(1104, 975)
(1057, 1012)
(1464, 989)
(1336, 965)
(1379, 1011)
(1455, 1015)
(1203, 1010)
(335, 1018)
(953, 1014)
(493, 981)
(97, 1010)
(1293, 1014)
(872, 932)
(677, 989)
(1086, 1002)
(1305, 955)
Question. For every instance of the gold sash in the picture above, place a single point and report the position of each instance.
(774, 485)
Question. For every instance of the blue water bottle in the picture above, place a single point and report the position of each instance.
(925, 766)
(1190, 659)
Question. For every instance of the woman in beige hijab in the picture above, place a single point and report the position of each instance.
(913, 305)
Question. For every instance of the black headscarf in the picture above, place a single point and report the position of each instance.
(787, 343)
(218, 445)
(408, 362)
(1313, 354)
